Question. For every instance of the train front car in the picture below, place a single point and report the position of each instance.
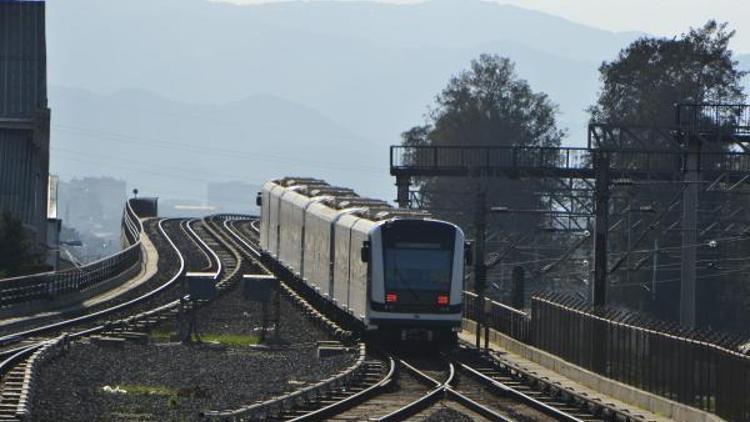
(417, 279)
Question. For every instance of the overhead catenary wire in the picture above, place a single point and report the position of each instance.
(204, 150)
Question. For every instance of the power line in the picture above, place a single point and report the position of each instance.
(209, 150)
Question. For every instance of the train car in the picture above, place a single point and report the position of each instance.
(399, 272)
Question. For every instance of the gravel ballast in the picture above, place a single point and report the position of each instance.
(447, 414)
(201, 377)
(185, 379)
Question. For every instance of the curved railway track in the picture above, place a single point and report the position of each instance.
(197, 258)
(21, 340)
(16, 359)
(185, 238)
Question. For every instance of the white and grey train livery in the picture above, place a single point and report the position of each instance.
(397, 271)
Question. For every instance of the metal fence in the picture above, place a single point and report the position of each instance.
(703, 369)
(503, 318)
(46, 286)
(714, 117)
(698, 368)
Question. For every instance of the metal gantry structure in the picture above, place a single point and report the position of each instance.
(709, 144)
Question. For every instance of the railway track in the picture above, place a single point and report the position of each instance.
(185, 238)
(472, 384)
(415, 387)
(162, 282)
(198, 258)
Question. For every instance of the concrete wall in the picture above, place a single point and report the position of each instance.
(609, 387)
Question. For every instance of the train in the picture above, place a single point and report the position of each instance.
(398, 272)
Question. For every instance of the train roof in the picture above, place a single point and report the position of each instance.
(340, 198)
(295, 181)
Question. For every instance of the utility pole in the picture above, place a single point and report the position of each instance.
(653, 271)
(480, 269)
(601, 232)
(402, 195)
(689, 231)
(601, 228)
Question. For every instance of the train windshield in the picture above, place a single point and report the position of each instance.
(418, 266)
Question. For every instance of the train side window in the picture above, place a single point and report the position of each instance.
(365, 251)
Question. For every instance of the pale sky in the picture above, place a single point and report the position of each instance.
(659, 17)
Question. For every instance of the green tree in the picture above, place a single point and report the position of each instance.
(485, 105)
(640, 88)
(18, 254)
(649, 76)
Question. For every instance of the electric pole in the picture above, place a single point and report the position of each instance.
(480, 269)
(689, 232)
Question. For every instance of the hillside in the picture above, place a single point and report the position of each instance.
(293, 80)
(174, 149)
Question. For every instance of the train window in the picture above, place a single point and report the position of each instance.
(365, 251)
(418, 269)
(418, 256)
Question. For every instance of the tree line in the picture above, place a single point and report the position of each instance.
(489, 104)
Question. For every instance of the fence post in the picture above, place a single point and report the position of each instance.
(518, 287)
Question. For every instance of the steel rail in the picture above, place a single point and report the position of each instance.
(475, 406)
(230, 227)
(29, 351)
(290, 399)
(431, 397)
(353, 400)
(190, 234)
(441, 391)
(14, 355)
(524, 398)
(219, 265)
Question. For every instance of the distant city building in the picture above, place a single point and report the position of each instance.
(93, 206)
(232, 197)
(24, 115)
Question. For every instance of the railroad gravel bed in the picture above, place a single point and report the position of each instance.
(231, 313)
(185, 379)
(448, 415)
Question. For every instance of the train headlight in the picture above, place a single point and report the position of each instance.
(391, 298)
(442, 300)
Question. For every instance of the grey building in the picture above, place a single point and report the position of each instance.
(24, 115)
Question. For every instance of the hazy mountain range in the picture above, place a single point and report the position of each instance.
(314, 88)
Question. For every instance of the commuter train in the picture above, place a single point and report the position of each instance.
(399, 272)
